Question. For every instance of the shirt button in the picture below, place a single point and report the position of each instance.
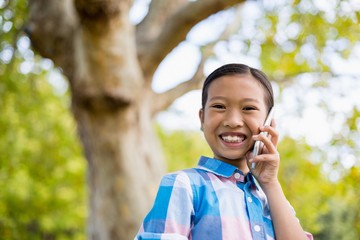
(237, 175)
(249, 199)
(257, 228)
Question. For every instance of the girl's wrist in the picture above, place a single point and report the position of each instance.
(271, 187)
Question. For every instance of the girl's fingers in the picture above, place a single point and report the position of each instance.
(269, 144)
(272, 133)
(265, 158)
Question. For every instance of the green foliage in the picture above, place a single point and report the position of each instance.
(327, 209)
(353, 121)
(306, 34)
(294, 37)
(41, 165)
(303, 183)
(12, 15)
(343, 218)
(42, 169)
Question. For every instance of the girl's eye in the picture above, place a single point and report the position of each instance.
(218, 106)
(249, 108)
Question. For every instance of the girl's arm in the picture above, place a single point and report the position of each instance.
(286, 225)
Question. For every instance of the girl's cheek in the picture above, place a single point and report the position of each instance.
(254, 126)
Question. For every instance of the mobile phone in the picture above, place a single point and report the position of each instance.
(259, 144)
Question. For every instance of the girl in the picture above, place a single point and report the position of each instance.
(221, 198)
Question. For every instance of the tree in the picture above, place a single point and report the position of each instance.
(110, 66)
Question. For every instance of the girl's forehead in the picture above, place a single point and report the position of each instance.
(237, 88)
(237, 83)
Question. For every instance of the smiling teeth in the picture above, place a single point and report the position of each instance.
(233, 139)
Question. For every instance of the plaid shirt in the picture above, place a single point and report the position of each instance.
(212, 201)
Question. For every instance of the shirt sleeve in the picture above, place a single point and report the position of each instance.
(171, 214)
(309, 236)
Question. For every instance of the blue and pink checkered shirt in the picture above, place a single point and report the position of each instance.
(212, 201)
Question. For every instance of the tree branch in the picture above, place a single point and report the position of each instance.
(164, 100)
(175, 30)
(51, 27)
(97, 15)
(159, 11)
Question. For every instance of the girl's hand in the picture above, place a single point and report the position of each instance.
(268, 161)
(286, 225)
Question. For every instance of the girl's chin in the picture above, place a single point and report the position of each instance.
(234, 155)
(231, 158)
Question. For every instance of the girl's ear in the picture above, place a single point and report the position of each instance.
(201, 117)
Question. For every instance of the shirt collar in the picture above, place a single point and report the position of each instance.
(223, 169)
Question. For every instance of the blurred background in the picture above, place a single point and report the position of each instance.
(310, 50)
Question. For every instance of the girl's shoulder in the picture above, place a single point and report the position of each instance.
(191, 176)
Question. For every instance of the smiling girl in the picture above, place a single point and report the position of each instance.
(221, 198)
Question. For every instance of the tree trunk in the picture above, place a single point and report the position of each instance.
(122, 178)
(113, 112)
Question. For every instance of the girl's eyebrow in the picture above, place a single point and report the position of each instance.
(255, 100)
(251, 100)
(217, 98)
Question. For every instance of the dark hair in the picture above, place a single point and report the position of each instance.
(233, 69)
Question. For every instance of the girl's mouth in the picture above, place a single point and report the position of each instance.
(228, 138)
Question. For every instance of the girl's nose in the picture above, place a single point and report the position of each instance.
(233, 120)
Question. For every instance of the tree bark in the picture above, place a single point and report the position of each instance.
(110, 68)
(124, 167)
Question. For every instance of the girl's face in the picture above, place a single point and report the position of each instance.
(234, 111)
